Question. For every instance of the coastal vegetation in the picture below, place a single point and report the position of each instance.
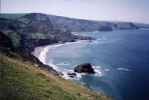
(24, 80)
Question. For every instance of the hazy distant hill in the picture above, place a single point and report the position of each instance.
(11, 16)
(77, 25)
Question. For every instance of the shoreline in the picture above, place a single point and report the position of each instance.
(41, 53)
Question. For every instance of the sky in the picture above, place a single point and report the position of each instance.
(103, 10)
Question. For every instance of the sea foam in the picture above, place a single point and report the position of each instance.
(123, 69)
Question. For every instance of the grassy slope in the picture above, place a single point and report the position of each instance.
(23, 80)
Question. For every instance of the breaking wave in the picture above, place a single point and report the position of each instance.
(123, 69)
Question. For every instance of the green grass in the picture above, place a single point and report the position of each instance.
(23, 80)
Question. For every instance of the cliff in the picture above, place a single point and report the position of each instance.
(35, 29)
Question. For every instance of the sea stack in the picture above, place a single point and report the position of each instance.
(84, 68)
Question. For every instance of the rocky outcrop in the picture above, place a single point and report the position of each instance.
(71, 74)
(29, 57)
(36, 22)
(84, 68)
(5, 42)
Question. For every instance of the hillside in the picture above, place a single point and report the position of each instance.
(11, 16)
(78, 25)
(24, 80)
(32, 30)
(81, 25)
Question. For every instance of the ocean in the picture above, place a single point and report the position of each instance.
(120, 59)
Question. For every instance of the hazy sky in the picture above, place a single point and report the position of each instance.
(110, 10)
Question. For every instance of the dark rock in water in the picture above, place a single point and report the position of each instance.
(72, 75)
(84, 68)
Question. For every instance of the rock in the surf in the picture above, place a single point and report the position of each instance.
(71, 74)
(84, 68)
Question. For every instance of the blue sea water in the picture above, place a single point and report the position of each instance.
(121, 57)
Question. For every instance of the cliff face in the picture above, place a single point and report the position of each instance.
(33, 30)
(5, 41)
(36, 22)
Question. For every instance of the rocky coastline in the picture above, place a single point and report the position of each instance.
(24, 34)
